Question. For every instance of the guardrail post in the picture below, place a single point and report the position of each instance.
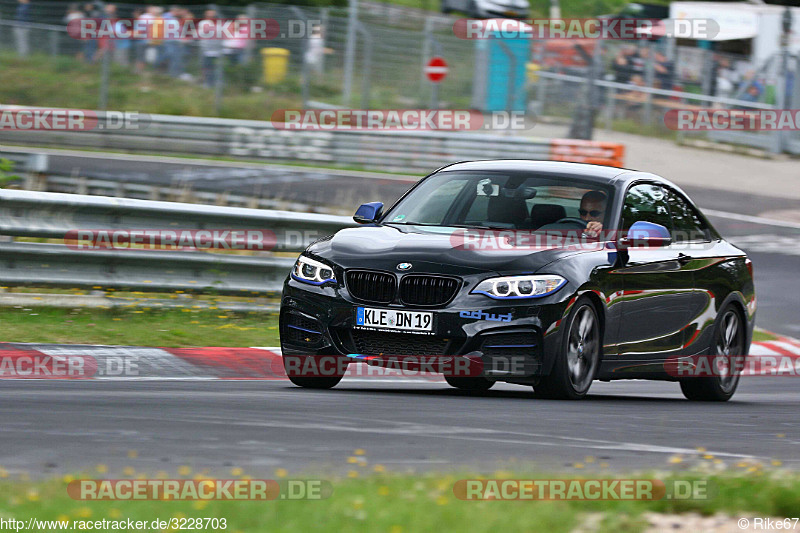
(350, 52)
(367, 66)
(649, 78)
(53, 43)
(611, 101)
(104, 79)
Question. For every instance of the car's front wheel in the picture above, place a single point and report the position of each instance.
(477, 383)
(576, 363)
(729, 342)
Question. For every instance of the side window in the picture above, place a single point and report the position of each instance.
(687, 224)
(648, 203)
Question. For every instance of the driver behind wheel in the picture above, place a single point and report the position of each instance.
(592, 211)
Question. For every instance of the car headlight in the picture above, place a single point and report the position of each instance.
(513, 287)
(313, 272)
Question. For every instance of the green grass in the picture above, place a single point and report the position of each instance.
(139, 326)
(40, 81)
(404, 502)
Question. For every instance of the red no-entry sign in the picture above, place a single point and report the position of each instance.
(436, 69)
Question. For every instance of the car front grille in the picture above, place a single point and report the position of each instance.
(387, 343)
(371, 286)
(420, 289)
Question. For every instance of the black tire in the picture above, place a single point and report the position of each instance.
(472, 10)
(477, 383)
(577, 362)
(729, 340)
(446, 8)
(315, 382)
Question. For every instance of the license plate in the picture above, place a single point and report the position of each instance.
(511, 13)
(417, 321)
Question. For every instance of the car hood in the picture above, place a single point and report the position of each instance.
(429, 249)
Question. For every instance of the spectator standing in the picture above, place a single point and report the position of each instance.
(182, 50)
(210, 49)
(106, 44)
(665, 72)
(316, 50)
(90, 45)
(235, 48)
(74, 13)
(169, 47)
(122, 47)
(21, 30)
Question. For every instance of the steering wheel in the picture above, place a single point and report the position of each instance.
(572, 220)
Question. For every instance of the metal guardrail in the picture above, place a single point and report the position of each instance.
(383, 150)
(54, 215)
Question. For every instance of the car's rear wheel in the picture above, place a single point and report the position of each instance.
(576, 364)
(294, 364)
(729, 342)
(476, 383)
(446, 7)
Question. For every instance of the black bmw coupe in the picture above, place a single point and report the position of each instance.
(537, 273)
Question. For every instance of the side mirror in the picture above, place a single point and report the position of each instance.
(368, 213)
(645, 235)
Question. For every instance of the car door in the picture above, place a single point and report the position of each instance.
(657, 285)
(700, 246)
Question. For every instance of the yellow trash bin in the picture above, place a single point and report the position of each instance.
(276, 62)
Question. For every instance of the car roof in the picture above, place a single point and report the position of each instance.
(598, 173)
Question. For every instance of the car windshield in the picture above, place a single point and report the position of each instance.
(501, 200)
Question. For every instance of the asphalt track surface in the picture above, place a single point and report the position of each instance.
(68, 426)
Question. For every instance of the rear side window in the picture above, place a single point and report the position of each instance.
(686, 222)
(648, 203)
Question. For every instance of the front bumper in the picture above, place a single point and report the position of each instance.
(514, 340)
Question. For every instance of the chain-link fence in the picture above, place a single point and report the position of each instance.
(384, 68)
(376, 59)
(641, 86)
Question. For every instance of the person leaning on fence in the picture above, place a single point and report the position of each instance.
(21, 31)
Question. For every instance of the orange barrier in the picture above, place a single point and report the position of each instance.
(594, 152)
